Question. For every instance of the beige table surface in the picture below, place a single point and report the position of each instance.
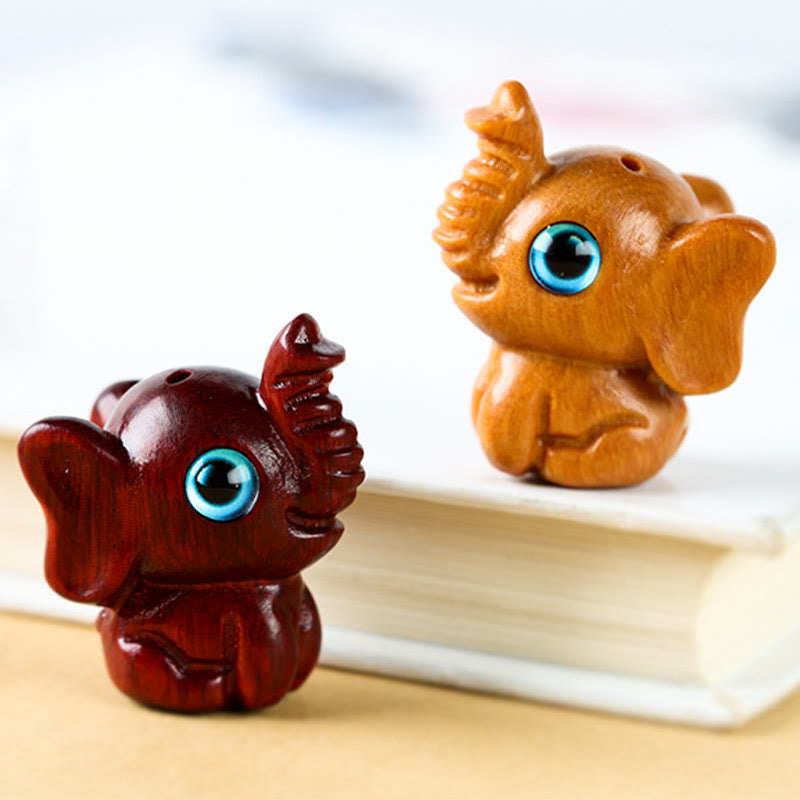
(65, 732)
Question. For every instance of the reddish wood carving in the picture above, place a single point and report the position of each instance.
(610, 285)
(187, 508)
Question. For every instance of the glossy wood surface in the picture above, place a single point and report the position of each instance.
(201, 613)
(584, 389)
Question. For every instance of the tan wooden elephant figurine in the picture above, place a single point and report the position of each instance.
(611, 287)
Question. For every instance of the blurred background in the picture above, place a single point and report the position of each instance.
(178, 179)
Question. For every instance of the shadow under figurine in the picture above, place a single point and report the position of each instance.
(187, 507)
(610, 285)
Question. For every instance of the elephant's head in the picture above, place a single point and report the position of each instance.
(598, 254)
(197, 475)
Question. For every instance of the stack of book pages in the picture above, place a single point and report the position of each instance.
(667, 600)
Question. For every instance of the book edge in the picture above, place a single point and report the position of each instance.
(770, 677)
(724, 706)
(767, 534)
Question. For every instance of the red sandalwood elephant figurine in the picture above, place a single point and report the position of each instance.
(187, 507)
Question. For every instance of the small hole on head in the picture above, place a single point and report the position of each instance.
(178, 376)
(631, 163)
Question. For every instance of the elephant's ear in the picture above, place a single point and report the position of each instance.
(107, 401)
(78, 473)
(692, 316)
(713, 198)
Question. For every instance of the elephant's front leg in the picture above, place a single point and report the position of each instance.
(263, 648)
(309, 639)
(509, 408)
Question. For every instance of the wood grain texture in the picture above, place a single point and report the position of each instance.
(201, 612)
(583, 386)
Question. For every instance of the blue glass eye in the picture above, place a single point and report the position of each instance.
(222, 484)
(564, 258)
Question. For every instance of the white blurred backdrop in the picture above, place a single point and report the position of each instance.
(177, 180)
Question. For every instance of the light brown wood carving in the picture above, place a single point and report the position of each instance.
(584, 381)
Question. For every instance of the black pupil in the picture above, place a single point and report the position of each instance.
(218, 482)
(563, 258)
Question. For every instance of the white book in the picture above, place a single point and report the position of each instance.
(619, 601)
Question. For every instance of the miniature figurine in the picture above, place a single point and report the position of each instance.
(610, 285)
(187, 508)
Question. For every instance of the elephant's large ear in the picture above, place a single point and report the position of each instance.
(77, 472)
(692, 315)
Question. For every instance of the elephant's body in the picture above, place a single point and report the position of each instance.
(207, 648)
(575, 423)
